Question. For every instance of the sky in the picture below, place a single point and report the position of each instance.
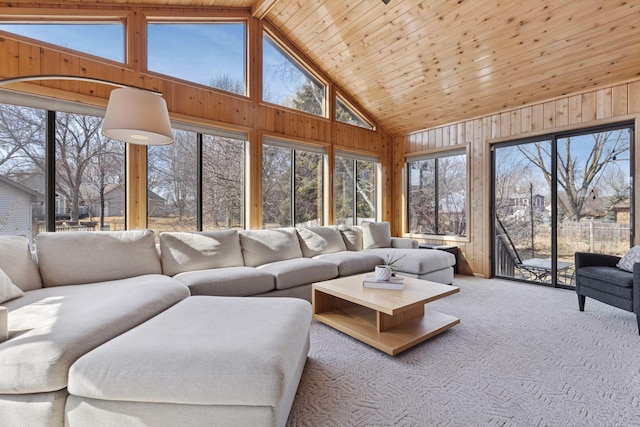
(81, 37)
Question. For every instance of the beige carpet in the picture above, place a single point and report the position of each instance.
(523, 355)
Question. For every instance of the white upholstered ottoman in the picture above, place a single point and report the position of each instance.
(205, 361)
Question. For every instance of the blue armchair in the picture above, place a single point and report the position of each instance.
(598, 277)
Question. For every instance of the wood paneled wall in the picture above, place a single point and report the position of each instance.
(187, 102)
(609, 104)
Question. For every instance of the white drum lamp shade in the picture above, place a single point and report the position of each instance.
(137, 116)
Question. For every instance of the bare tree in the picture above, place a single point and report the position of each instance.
(81, 153)
(223, 171)
(22, 139)
(171, 172)
(228, 82)
(577, 176)
(78, 144)
(104, 170)
(361, 175)
(276, 185)
(422, 197)
(452, 195)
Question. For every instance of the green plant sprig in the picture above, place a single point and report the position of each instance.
(390, 261)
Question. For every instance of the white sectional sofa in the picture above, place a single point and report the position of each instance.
(102, 326)
(85, 290)
(286, 261)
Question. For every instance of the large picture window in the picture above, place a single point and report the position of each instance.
(211, 54)
(197, 183)
(22, 165)
(437, 187)
(355, 189)
(223, 182)
(292, 189)
(89, 176)
(286, 82)
(172, 179)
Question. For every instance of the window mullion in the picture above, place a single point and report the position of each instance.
(199, 183)
(293, 187)
(355, 192)
(436, 188)
(554, 211)
(50, 172)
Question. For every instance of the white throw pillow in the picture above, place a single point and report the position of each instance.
(352, 237)
(265, 246)
(204, 250)
(320, 240)
(17, 261)
(63, 257)
(630, 258)
(376, 235)
(8, 290)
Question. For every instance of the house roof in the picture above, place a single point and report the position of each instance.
(622, 205)
(34, 194)
(417, 64)
(92, 192)
(155, 196)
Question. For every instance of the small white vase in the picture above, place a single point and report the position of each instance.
(383, 274)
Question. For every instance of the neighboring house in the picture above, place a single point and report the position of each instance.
(519, 210)
(114, 202)
(517, 201)
(17, 204)
(621, 212)
(156, 204)
(36, 182)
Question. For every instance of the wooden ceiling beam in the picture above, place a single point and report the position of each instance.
(260, 8)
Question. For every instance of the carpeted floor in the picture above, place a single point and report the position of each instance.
(523, 355)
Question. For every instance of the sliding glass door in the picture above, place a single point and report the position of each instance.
(557, 195)
(522, 200)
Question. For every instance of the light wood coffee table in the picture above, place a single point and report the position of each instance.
(389, 320)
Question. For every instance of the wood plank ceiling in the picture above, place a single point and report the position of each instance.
(417, 64)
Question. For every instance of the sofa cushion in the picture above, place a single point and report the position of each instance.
(352, 237)
(181, 252)
(50, 328)
(605, 281)
(4, 324)
(8, 290)
(611, 275)
(320, 240)
(631, 257)
(404, 243)
(229, 281)
(86, 257)
(416, 261)
(351, 262)
(265, 246)
(300, 271)
(16, 260)
(202, 351)
(376, 235)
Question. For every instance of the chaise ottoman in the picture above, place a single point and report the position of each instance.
(205, 361)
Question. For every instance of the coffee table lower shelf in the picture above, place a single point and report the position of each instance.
(362, 323)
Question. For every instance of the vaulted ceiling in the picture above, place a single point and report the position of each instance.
(416, 64)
